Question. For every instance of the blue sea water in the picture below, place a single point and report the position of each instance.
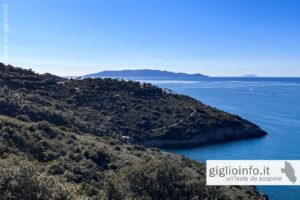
(271, 103)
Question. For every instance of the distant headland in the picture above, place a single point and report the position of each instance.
(145, 73)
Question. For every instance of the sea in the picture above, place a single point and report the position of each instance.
(271, 103)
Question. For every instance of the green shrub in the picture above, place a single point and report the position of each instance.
(159, 180)
(23, 118)
(21, 180)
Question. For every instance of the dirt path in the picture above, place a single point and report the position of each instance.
(176, 123)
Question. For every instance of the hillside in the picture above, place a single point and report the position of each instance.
(81, 139)
(144, 73)
(139, 113)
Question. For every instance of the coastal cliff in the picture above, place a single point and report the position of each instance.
(87, 138)
(136, 113)
(213, 136)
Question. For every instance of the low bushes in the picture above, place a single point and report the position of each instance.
(21, 180)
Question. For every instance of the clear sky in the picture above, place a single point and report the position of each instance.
(213, 37)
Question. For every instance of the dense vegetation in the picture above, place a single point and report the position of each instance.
(64, 139)
(112, 108)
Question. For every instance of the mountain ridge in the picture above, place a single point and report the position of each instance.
(144, 73)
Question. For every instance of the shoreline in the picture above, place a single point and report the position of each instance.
(214, 137)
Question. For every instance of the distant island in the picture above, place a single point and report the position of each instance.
(145, 73)
(250, 76)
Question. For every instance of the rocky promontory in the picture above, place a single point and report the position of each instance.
(85, 139)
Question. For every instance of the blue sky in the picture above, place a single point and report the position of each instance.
(213, 37)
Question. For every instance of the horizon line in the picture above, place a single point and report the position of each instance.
(163, 70)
